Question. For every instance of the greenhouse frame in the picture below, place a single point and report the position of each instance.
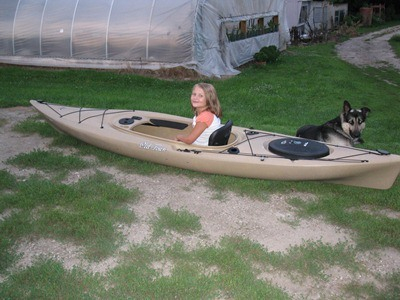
(212, 37)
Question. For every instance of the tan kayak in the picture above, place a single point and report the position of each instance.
(248, 153)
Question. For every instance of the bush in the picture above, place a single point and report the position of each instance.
(395, 38)
(268, 54)
(260, 56)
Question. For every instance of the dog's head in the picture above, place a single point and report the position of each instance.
(353, 120)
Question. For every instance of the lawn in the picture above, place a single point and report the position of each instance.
(306, 86)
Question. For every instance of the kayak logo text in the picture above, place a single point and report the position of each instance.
(153, 147)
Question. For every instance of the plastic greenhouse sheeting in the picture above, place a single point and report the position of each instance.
(212, 37)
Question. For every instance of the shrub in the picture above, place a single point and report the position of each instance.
(260, 56)
(395, 38)
(268, 54)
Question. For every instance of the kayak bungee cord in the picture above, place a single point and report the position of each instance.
(347, 158)
(263, 157)
(102, 113)
(102, 119)
(363, 151)
(248, 141)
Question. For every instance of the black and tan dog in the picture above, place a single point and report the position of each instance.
(343, 130)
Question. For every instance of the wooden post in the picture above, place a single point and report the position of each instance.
(366, 14)
(276, 22)
(243, 26)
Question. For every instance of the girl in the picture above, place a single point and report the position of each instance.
(207, 114)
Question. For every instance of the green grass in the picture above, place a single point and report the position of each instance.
(182, 222)
(307, 85)
(49, 161)
(85, 212)
(312, 258)
(370, 291)
(261, 97)
(7, 181)
(395, 43)
(208, 272)
(340, 207)
(35, 125)
(49, 280)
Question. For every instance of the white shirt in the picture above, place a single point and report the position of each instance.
(202, 140)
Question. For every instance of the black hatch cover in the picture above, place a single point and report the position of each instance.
(294, 148)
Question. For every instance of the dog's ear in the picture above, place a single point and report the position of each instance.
(346, 106)
(365, 111)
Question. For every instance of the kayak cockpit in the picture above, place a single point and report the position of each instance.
(160, 128)
(156, 130)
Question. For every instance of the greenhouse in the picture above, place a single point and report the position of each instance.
(212, 37)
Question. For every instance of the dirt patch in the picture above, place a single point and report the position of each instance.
(371, 49)
(268, 223)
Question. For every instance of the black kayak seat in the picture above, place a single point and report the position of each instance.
(220, 137)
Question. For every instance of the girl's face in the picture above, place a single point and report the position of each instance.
(198, 99)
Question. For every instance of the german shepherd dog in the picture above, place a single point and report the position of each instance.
(344, 130)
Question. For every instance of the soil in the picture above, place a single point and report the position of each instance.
(272, 223)
(371, 50)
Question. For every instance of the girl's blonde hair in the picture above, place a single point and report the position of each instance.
(211, 97)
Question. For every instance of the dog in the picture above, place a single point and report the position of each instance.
(344, 130)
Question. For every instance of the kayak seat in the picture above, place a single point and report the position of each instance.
(221, 136)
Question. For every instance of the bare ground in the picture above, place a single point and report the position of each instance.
(272, 223)
(371, 49)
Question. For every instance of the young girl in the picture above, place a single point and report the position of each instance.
(207, 114)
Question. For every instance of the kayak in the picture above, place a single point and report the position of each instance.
(248, 153)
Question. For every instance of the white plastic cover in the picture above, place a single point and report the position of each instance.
(137, 33)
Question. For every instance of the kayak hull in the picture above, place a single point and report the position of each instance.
(150, 136)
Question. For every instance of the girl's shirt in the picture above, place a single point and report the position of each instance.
(212, 122)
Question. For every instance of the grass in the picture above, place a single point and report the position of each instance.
(49, 161)
(320, 82)
(357, 213)
(370, 291)
(35, 125)
(395, 43)
(182, 222)
(7, 181)
(85, 212)
(312, 259)
(207, 272)
(48, 279)
(307, 85)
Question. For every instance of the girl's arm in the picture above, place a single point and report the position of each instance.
(196, 132)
